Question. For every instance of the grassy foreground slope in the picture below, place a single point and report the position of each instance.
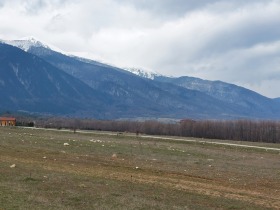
(108, 171)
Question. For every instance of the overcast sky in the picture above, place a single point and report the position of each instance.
(235, 41)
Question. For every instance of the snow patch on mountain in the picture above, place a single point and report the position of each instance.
(27, 42)
(143, 73)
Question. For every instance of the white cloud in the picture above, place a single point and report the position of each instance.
(235, 41)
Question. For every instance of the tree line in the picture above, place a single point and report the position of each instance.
(240, 130)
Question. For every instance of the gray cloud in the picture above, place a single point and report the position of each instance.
(177, 8)
(31, 7)
(34, 7)
(168, 7)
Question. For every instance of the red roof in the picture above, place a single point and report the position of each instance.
(7, 118)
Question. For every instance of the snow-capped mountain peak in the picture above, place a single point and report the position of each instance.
(25, 43)
(143, 73)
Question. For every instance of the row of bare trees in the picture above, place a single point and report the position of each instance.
(241, 130)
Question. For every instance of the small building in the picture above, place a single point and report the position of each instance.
(7, 121)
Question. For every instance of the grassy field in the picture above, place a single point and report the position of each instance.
(108, 171)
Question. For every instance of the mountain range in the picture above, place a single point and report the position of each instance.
(35, 78)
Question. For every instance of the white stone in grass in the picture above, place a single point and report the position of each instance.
(136, 167)
(66, 144)
(13, 166)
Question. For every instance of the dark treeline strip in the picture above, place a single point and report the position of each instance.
(240, 130)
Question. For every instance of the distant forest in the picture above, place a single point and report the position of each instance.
(240, 130)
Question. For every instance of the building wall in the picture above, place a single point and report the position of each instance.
(8, 123)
